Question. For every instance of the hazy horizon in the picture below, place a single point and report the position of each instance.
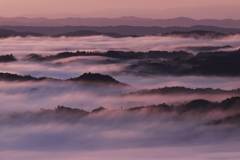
(113, 9)
(122, 80)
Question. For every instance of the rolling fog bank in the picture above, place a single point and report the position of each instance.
(46, 45)
(133, 133)
(61, 101)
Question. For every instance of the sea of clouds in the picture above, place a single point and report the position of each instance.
(107, 136)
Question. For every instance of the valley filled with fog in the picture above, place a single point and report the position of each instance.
(99, 97)
(51, 45)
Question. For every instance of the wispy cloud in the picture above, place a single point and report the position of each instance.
(45, 45)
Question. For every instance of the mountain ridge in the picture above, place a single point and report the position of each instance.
(131, 21)
(123, 30)
(88, 78)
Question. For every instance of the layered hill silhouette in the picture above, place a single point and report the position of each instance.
(99, 79)
(131, 21)
(230, 120)
(115, 31)
(84, 33)
(199, 107)
(178, 63)
(218, 63)
(14, 77)
(219, 54)
(204, 48)
(37, 57)
(114, 54)
(4, 33)
(197, 34)
(182, 91)
(89, 78)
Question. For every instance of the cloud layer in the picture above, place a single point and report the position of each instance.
(22, 46)
(104, 135)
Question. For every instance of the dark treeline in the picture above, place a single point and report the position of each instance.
(14, 77)
(89, 78)
(96, 78)
(174, 56)
(204, 48)
(198, 107)
(182, 90)
(235, 119)
(218, 63)
(177, 63)
(115, 54)
(7, 58)
(197, 34)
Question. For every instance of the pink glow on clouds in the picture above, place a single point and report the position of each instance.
(46, 46)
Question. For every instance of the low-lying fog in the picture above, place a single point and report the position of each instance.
(31, 96)
(48, 45)
(119, 136)
(103, 136)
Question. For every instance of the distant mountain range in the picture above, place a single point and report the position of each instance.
(5, 33)
(130, 21)
(196, 12)
(115, 31)
(89, 33)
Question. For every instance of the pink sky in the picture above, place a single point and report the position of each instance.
(93, 8)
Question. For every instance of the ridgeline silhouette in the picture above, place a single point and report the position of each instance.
(89, 78)
(207, 32)
(7, 58)
(4, 33)
(99, 79)
(230, 106)
(181, 91)
(177, 63)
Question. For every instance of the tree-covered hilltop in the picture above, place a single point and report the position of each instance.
(7, 58)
